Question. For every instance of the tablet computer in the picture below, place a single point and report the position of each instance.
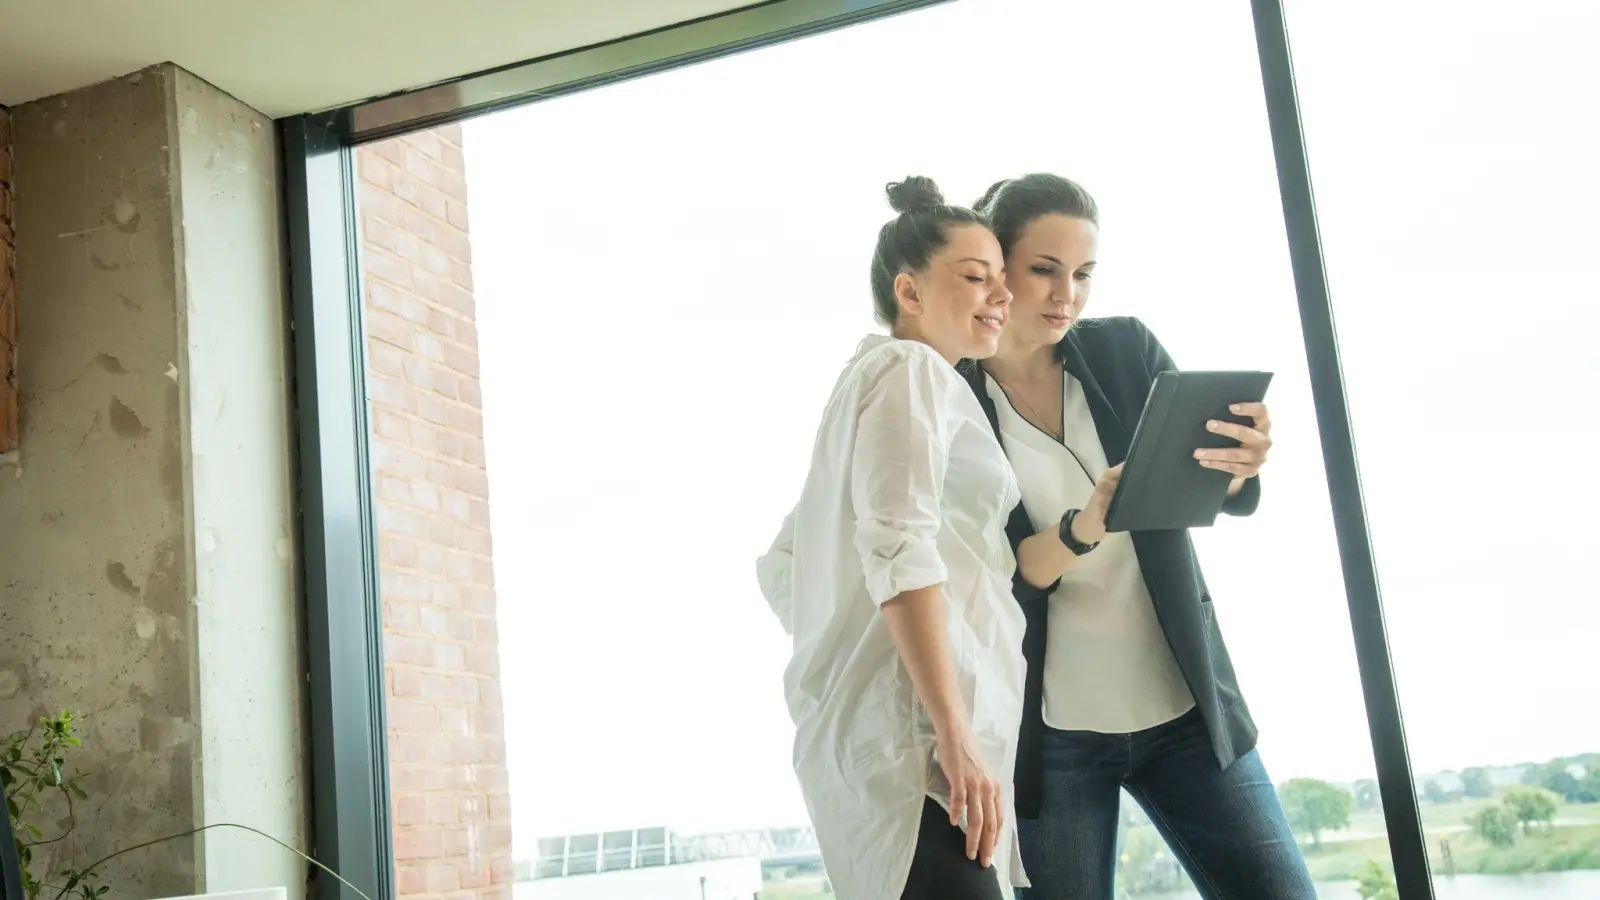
(1163, 486)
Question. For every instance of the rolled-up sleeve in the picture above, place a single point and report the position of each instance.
(775, 572)
(897, 472)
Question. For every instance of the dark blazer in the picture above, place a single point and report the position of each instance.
(1116, 360)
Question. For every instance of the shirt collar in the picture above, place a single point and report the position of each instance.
(871, 342)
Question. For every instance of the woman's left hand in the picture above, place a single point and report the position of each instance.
(1244, 461)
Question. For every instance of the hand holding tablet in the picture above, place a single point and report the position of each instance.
(1255, 439)
(1179, 465)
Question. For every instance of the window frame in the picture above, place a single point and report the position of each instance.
(1408, 843)
(351, 814)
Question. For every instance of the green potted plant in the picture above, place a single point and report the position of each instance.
(33, 772)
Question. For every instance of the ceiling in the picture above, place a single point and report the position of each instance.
(292, 56)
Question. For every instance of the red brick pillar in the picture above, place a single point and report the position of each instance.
(446, 724)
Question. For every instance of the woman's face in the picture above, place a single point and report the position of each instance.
(1049, 273)
(958, 303)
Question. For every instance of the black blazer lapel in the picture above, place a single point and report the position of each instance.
(1114, 438)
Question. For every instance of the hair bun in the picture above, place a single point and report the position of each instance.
(917, 193)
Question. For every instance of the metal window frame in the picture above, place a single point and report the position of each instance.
(1408, 847)
(349, 735)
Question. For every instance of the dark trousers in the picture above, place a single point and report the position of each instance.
(940, 869)
(1225, 826)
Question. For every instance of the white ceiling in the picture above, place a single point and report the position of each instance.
(292, 56)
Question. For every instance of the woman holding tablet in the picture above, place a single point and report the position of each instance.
(1129, 683)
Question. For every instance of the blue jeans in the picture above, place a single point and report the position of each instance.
(1225, 826)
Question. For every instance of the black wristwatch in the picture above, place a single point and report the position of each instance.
(1077, 547)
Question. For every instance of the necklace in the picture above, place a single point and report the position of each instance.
(1031, 414)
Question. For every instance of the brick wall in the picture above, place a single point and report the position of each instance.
(8, 299)
(446, 723)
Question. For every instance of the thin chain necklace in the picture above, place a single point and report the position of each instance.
(1038, 420)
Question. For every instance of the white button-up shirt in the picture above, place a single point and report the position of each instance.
(908, 488)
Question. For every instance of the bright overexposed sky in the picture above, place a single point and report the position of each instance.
(671, 271)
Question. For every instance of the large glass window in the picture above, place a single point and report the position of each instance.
(1455, 177)
(601, 330)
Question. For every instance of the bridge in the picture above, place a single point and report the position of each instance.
(611, 851)
(774, 846)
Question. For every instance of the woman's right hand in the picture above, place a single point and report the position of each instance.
(974, 793)
(1090, 524)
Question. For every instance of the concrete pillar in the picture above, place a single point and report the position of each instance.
(147, 563)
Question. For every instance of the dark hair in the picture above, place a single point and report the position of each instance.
(908, 241)
(1011, 205)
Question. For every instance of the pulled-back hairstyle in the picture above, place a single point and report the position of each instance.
(908, 241)
(1011, 205)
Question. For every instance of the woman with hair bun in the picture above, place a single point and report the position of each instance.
(893, 576)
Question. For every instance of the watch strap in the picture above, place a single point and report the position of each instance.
(1064, 532)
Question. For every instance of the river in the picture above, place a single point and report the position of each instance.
(1584, 885)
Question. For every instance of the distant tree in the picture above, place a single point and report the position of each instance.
(1375, 883)
(1530, 807)
(1555, 776)
(1315, 806)
(1435, 794)
(1143, 864)
(1564, 784)
(1563, 778)
(1367, 798)
(1589, 787)
(1475, 783)
(1494, 824)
